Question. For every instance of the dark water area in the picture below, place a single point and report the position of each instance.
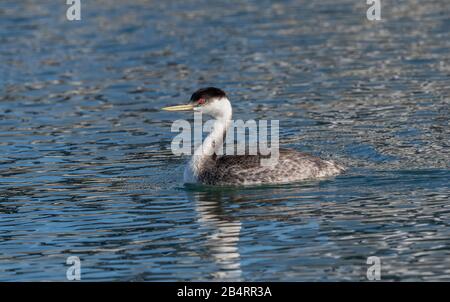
(86, 167)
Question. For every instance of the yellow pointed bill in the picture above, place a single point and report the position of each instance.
(179, 108)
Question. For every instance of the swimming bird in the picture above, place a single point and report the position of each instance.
(206, 167)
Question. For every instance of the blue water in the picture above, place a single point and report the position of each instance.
(85, 161)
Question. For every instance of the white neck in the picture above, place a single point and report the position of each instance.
(213, 142)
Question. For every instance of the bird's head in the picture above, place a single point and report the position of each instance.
(211, 101)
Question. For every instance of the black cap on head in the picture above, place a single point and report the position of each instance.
(207, 94)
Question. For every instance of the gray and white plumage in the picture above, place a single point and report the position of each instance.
(291, 166)
(206, 167)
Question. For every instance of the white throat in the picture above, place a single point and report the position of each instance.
(221, 110)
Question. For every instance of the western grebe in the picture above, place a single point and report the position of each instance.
(206, 167)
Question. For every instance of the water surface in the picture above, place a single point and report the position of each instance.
(85, 161)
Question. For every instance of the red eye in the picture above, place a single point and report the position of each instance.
(201, 101)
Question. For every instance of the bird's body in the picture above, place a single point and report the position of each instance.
(292, 166)
(206, 167)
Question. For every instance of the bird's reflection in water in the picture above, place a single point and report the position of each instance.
(223, 233)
